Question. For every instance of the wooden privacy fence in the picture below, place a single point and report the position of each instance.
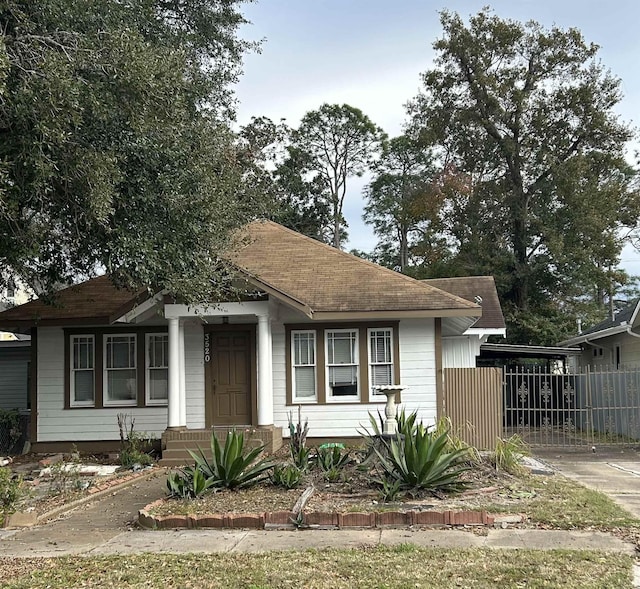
(472, 400)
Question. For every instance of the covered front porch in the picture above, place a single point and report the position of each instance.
(238, 381)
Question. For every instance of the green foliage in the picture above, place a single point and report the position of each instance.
(134, 445)
(117, 151)
(64, 477)
(232, 466)
(189, 482)
(333, 143)
(455, 441)
(421, 462)
(332, 458)
(10, 431)
(508, 454)
(301, 458)
(11, 490)
(533, 176)
(287, 476)
(404, 204)
(390, 489)
(297, 441)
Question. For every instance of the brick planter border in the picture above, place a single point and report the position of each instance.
(323, 520)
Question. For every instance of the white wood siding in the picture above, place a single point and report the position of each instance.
(55, 424)
(14, 376)
(417, 372)
(460, 351)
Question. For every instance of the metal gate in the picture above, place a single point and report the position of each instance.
(582, 408)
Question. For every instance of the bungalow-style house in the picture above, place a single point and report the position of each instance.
(323, 328)
(461, 350)
(612, 343)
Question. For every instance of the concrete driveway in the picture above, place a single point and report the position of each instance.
(613, 472)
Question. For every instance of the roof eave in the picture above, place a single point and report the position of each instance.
(587, 337)
(394, 314)
(487, 331)
(281, 296)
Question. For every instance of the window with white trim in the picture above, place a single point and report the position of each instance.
(157, 360)
(303, 366)
(120, 374)
(380, 347)
(342, 361)
(82, 377)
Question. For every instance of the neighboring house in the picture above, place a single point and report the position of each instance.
(322, 329)
(11, 295)
(461, 347)
(612, 343)
(15, 356)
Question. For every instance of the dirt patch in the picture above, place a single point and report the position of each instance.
(353, 491)
(50, 482)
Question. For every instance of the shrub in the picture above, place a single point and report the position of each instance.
(133, 444)
(231, 466)
(10, 430)
(11, 490)
(287, 476)
(421, 461)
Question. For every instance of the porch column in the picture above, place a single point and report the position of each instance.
(173, 417)
(265, 380)
(183, 395)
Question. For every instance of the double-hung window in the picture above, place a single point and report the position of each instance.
(82, 377)
(157, 377)
(120, 373)
(380, 357)
(303, 365)
(342, 363)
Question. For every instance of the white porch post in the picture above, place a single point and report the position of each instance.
(173, 417)
(183, 396)
(265, 380)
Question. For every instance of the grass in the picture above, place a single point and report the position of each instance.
(404, 566)
(562, 503)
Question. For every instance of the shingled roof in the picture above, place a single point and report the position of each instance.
(314, 277)
(96, 301)
(470, 288)
(326, 280)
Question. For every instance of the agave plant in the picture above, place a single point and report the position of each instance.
(188, 482)
(286, 475)
(421, 461)
(231, 466)
(332, 458)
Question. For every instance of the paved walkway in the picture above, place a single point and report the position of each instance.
(105, 526)
(614, 472)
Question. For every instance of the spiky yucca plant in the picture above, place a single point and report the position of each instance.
(230, 466)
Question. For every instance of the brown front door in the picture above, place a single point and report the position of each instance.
(229, 382)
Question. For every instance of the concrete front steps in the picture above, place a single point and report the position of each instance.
(177, 443)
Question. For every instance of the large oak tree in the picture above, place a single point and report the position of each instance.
(115, 147)
(527, 114)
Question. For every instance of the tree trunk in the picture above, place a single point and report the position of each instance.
(336, 230)
(404, 248)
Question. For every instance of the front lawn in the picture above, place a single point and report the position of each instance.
(404, 566)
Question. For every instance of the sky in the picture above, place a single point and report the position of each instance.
(370, 54)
